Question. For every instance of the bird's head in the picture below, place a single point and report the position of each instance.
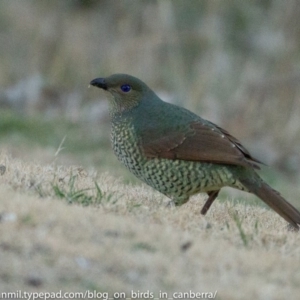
(125, 91)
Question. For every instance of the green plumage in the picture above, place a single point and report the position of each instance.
(177, 152)
(177, 179)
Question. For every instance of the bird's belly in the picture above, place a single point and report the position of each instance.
(181, 179)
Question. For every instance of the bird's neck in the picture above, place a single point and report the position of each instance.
(121, 109)
(117, 108)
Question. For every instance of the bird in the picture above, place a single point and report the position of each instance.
(177, 152)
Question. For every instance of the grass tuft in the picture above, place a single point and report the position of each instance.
(238, 222)
(74, 195)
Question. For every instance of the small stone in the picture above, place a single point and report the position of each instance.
(33, 280)
(185, 246)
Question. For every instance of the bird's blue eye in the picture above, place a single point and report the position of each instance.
(125, 88)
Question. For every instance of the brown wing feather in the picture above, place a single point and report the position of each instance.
(198, 142)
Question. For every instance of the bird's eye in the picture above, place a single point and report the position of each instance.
(126, 88)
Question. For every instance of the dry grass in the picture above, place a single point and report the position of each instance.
(127, 239)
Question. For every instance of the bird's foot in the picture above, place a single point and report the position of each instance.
(170, 204)
(291, 227)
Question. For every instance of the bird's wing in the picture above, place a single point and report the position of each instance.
(197, 141)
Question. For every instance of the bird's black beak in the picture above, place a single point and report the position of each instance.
(99, 82)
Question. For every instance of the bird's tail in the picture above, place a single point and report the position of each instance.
(273, 199)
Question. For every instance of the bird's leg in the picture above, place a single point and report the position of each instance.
(170, 204)
(211, 198)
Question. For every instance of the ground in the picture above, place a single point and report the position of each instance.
(71, 229)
